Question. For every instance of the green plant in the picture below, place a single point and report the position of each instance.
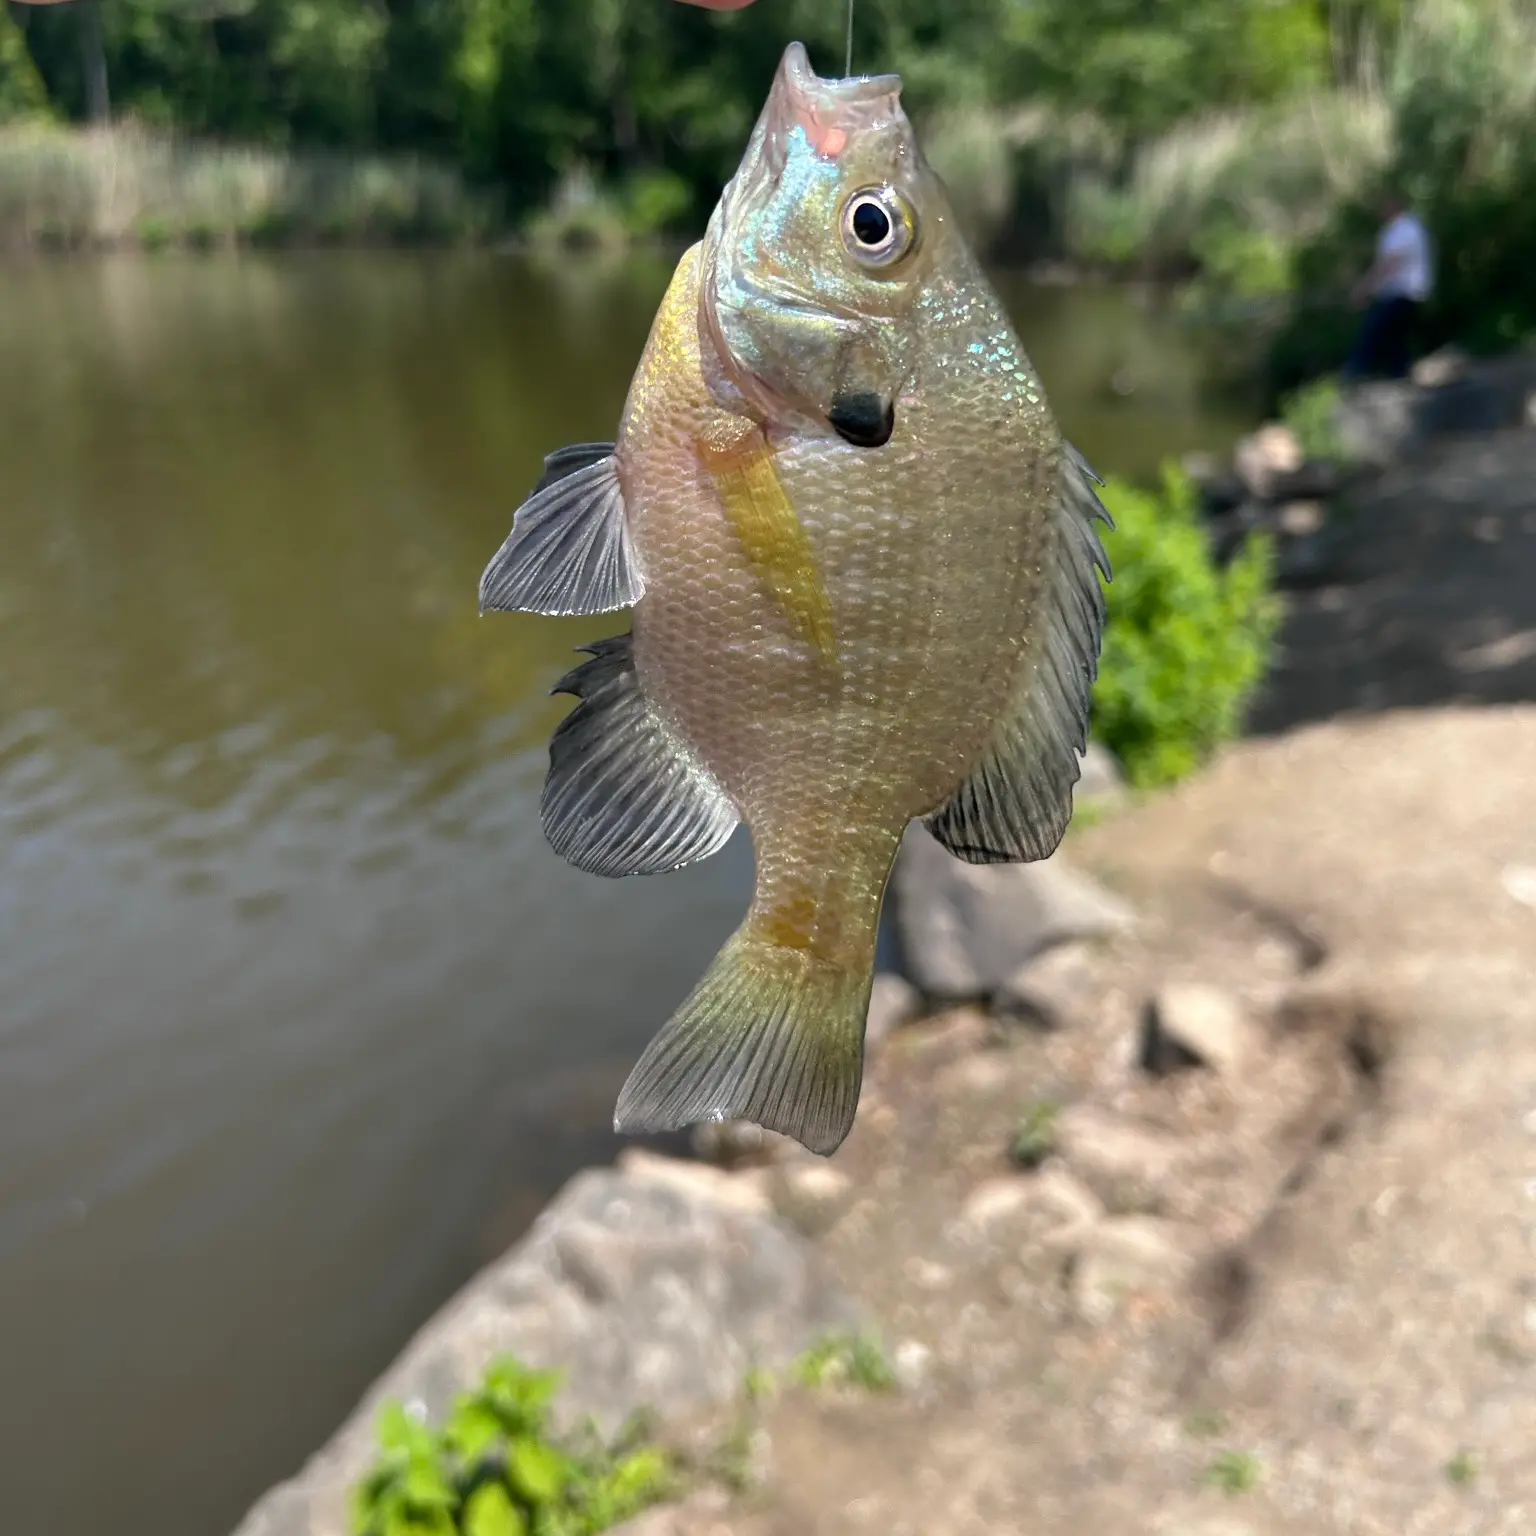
(758, 1385)
(1233, 1472)
(1312, 413)
(846, 1360)
(1035, 1139)
(1186, 643)
(1463, 1467)
(655, 203)
(1204, 1425)
(494, 1470)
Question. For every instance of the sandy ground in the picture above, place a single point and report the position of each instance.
(1295, 1295)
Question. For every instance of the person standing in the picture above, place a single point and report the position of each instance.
(1394, 291)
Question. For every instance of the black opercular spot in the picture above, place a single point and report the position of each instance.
(871, 224)
(865, 420)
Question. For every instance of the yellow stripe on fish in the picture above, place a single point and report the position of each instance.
(770, 531)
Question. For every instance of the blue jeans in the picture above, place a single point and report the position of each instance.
(1383, 347)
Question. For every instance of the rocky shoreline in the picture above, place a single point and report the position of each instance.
(1191, 1189)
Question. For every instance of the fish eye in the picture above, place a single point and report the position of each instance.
(877, 226)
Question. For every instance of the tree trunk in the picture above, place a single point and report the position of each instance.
(93, 60)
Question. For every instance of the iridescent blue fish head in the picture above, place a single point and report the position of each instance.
(817, 252)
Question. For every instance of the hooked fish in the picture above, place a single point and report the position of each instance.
(864, 579)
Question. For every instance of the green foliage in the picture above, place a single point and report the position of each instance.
(656, 99)
(1312, 413)
(1204, 1425)
(1035, 1139)
(1239, 142)
(1234, 1472)
(856, 1360)
(129, 185)
(656, 203)
(1459, 92)
(1143, 67)
(1462, 1469)
(1186, 643)
(22, 93)
(494, 1470)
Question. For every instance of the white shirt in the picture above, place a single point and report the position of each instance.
(1406, 237)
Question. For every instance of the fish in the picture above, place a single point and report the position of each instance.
(863, 571)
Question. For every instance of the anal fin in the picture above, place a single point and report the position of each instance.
(569, 551)
(1014, 805)
(624, 796)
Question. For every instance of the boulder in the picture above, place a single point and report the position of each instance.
(1127, 1166)
(967, 928)
(1439, 367)
(811, 1196)
(1263, 456)
(1055, 990)
(893, 1002)
(1298, 519)
(1315, 480)
(1378, 423)
(1519, 882)
(739, 1143)
(1129, 1256)
(1101, 778)
(1190, 1025)
(1220, 487)
(646, 1291)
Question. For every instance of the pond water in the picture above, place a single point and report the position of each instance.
(300, 1019)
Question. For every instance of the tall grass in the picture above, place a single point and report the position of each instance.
(1232, 195)
(125, 186)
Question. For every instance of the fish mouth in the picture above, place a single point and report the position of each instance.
(863, 419)
(845, 90)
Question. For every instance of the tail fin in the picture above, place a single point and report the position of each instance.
(770, 1034)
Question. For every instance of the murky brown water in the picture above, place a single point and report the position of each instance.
(299, 1016)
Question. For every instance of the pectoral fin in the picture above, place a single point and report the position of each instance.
(569, 550)
(624, 796)
(1014, 805)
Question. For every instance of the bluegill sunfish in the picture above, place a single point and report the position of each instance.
(864, 576)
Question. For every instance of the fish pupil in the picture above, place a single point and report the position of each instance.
(871, 224)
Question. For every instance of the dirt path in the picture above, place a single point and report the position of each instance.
(1431, 591)
(1317, 1315)
(1359, 1205)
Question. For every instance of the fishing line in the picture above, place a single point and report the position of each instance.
(848, 67)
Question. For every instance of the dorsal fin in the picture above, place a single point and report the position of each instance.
(1015, 803)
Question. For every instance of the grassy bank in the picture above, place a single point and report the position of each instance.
(66, 189)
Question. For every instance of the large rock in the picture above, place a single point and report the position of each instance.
(1101, 779)
(1264, 456)
(1055, 990)
(1378, 423)
(1191, 1025)
(967, 928)
(893, 1003)
(647, 1293)
(1130, 1256)
(1386, 420)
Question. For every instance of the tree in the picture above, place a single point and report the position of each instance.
(22, 93)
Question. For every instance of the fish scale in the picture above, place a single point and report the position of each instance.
(864, 582)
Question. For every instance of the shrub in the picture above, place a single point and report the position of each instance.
(1312, 413)
(494, 1470)
(857, 1360)
(656, 203)
(1186, 643)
